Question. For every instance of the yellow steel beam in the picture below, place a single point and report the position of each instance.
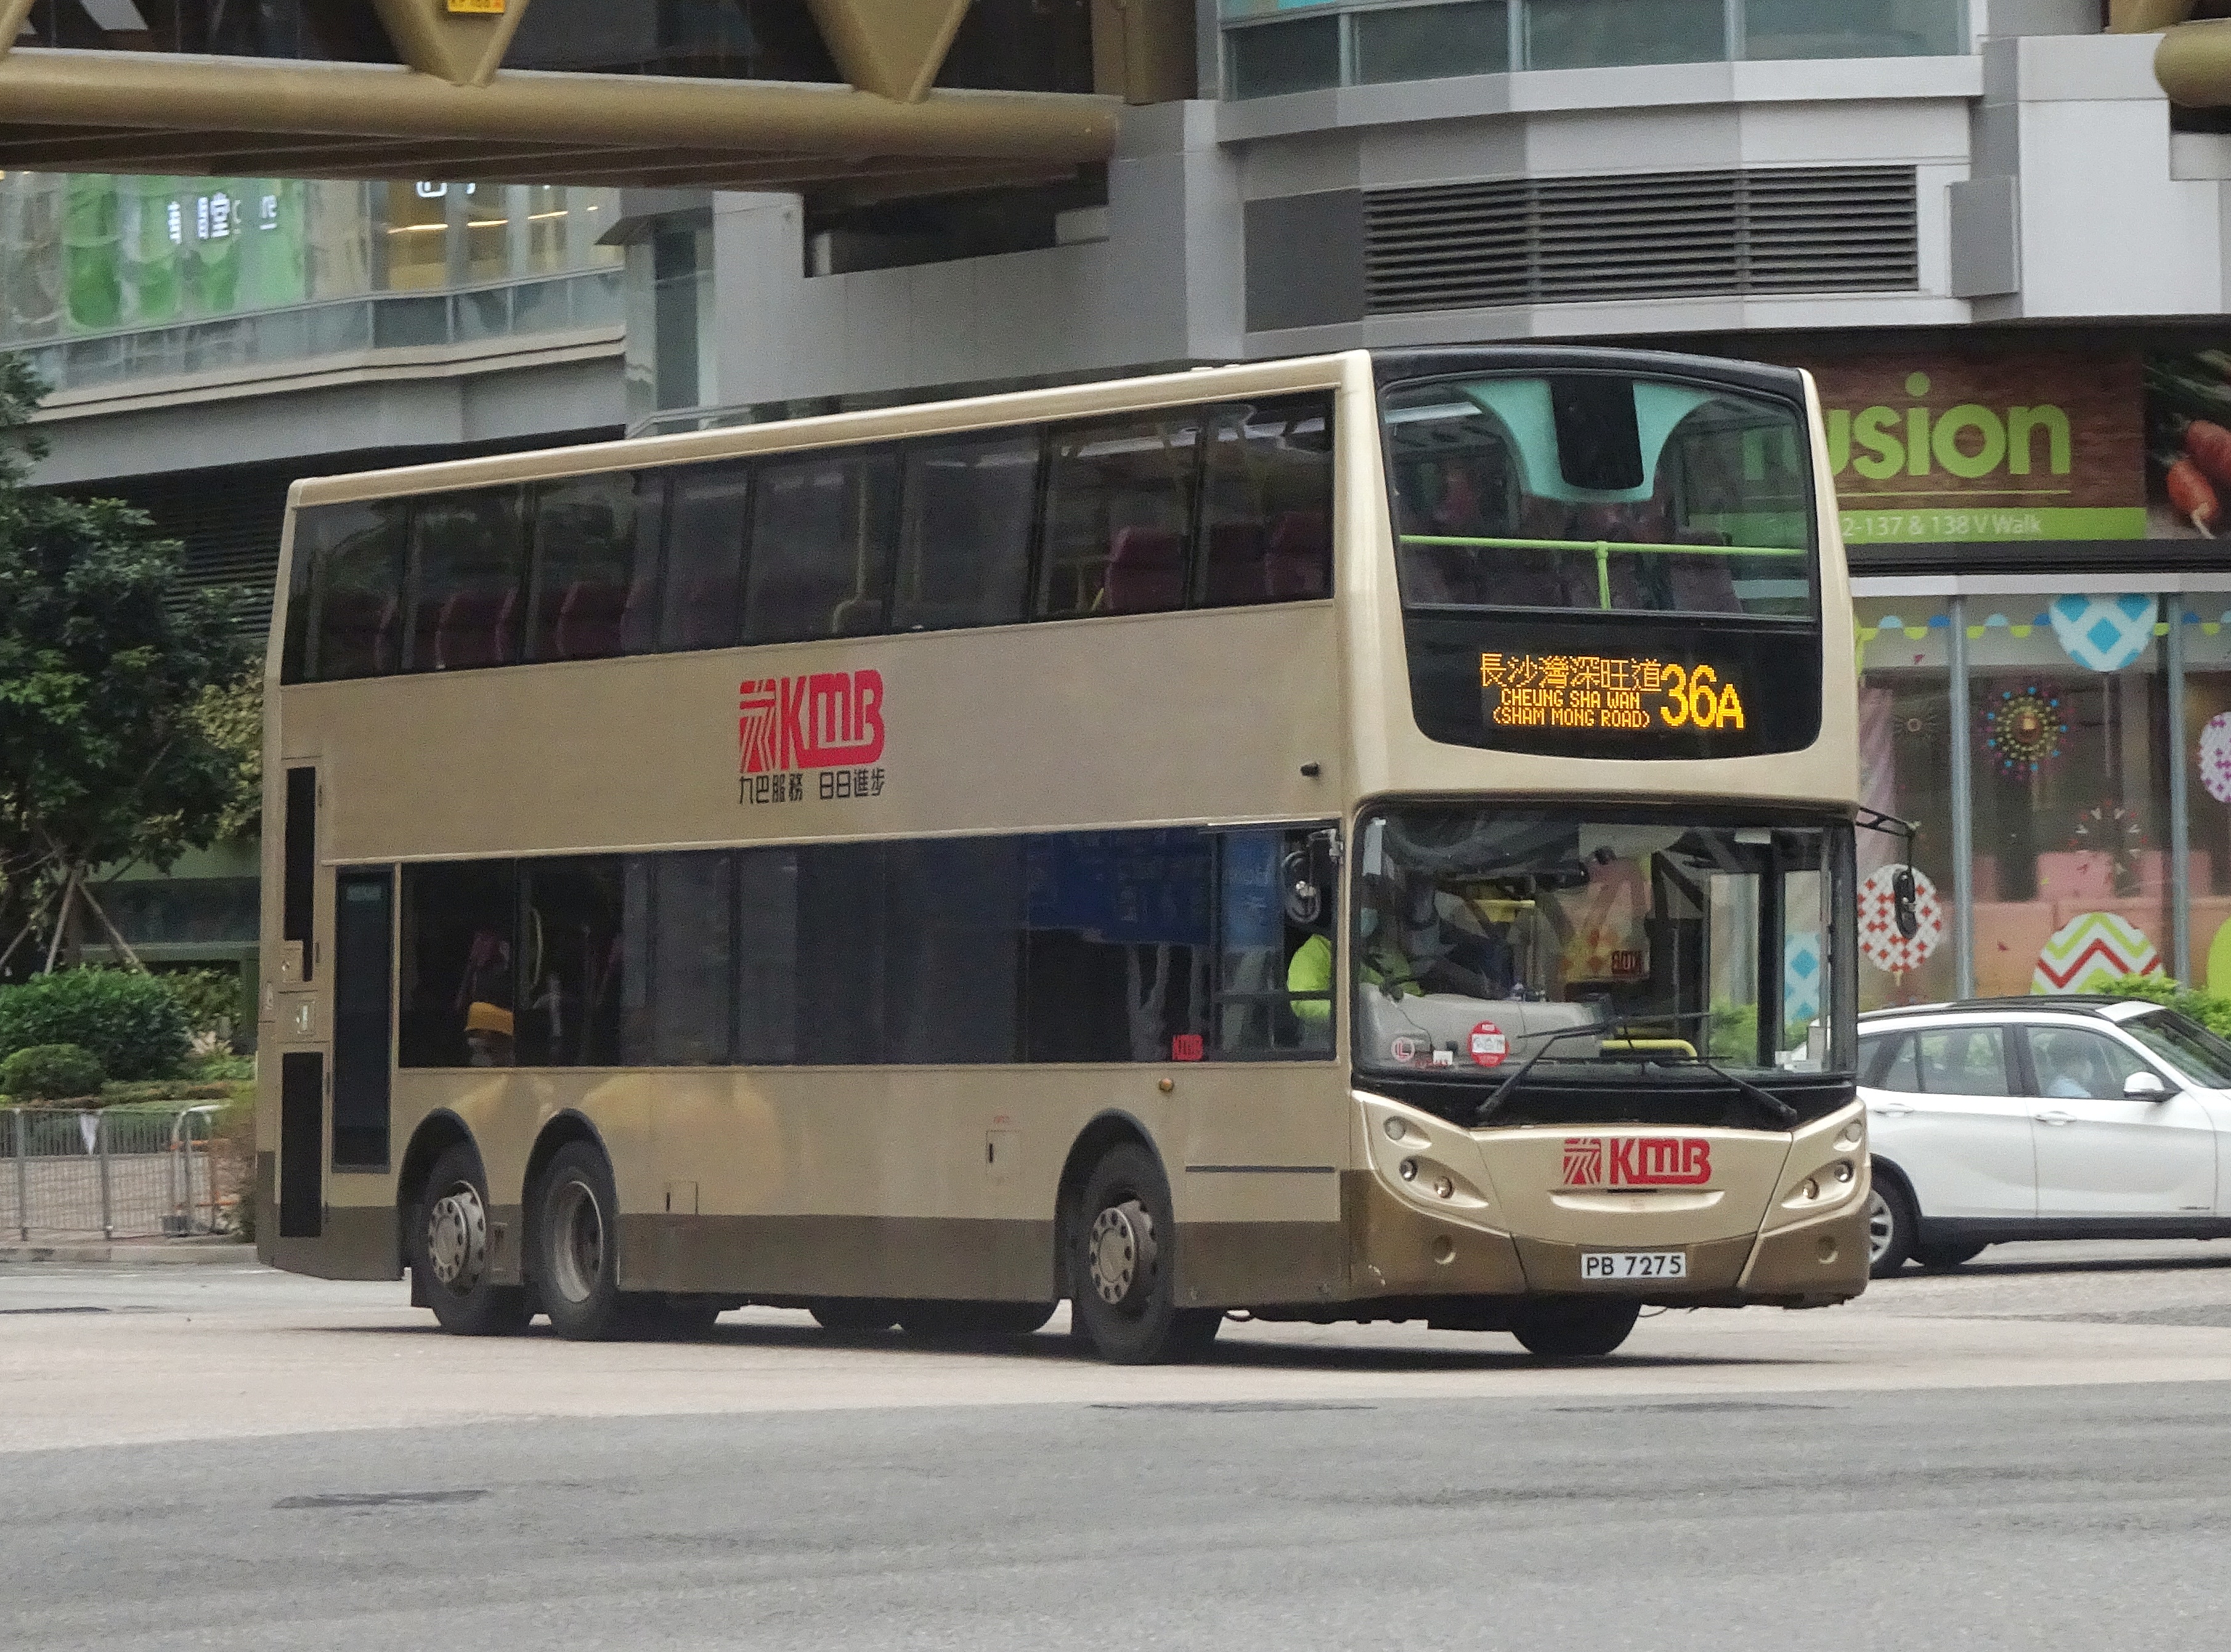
(891, 48)
(13, 15)
(462, 44)
(666, 122)
(2143, 17)
(2193, 64)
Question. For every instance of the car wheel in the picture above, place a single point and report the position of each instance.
(1122, 1267)
(1891, 1225)
(854, 1313)
(450, 1252)
(1574, 1327)
(1946, 1256)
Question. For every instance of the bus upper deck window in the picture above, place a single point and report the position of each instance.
(586, 534)
(1600, 490)
(348, 583)
(468, 577)
(704, 572)
(1266, 505)
(819, 563)
(1119, 516)
(965, 551)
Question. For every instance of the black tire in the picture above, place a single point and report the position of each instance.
(860, 1314)
(1948, 1255)
(450, 1252)
(971, 1321)
(1122, 1267)
(1892, 1227)
(1574, 1327)
(575, 1239)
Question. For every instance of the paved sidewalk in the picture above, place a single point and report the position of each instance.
(130, 1253)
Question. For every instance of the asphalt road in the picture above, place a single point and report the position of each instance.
(2026, 1455)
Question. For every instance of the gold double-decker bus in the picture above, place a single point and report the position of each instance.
(1358, 838)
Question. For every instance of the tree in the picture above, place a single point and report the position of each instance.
(110, 749)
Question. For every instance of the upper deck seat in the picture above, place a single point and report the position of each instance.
(474, 628)
(1146, 571)
(1702, 585)
(1237, 564)
(589, 620)
(1300, 557)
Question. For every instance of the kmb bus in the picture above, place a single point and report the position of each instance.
(1365, 837)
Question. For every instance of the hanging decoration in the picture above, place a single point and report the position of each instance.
(2104, 633)
(2111, 829)
(2092, 949)
(2215, 758)
(1880, 942)
(2022, 728)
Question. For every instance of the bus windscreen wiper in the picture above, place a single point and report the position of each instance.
(1776, 1109)
(1486, 1109)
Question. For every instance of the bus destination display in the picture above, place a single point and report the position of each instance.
(1611, 694)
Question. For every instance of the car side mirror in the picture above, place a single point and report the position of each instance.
(2145, 1087)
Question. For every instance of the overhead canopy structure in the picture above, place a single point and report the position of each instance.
(448, 108)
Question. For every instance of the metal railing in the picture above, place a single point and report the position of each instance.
(117, 1174)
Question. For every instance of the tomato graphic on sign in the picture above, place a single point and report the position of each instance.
(1489, 1046)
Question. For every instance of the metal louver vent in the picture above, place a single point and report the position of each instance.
(1641, 235)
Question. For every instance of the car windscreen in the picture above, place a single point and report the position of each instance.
(2185, 1044)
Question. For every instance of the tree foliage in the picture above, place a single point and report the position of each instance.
(111, 748)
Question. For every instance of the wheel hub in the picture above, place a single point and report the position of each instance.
(1120, 1251)
(1880, 1226)
(457, 1238)
(577, 1248)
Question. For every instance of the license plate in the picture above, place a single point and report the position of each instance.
(1634, 1264)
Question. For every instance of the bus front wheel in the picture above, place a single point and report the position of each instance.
(1122, 1267)
(450, 1252)
(1574, 1327)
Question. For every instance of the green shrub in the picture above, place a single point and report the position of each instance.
(132, 1022)
(2210, 1010)
(51, 1072)
(215, 1002)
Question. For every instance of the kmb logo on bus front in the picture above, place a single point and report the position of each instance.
(1638, 1161)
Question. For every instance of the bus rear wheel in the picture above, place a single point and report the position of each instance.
(1122, 1267)
(577, 1250)
(450, 1252)
(1574, 1327)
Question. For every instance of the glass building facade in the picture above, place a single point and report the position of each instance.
(105, 278)
(1273, 46)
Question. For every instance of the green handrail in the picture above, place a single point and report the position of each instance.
(1603, 548)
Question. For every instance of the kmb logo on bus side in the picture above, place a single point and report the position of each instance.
(1638, 1161)
(831, 721)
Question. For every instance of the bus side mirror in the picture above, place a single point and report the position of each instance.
(1310, 876)
(1904, 901)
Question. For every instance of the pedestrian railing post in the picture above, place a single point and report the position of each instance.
(100, 1154)
(22, 1180)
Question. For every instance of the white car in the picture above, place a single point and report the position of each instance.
(2043, 1119)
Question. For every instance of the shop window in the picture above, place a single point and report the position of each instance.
(415, 244)
(468, 574)
(1266, 503)
(573, 963)
(822, 532)
(460, 986)
(704, 574)
(1597, 33)
(1429, 43)
(1271, 60)
(964, 550)
(1905, 771)
(1119, 516)
(2068, 712)
(590, 600)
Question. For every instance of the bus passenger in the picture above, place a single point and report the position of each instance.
(484, 1000)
